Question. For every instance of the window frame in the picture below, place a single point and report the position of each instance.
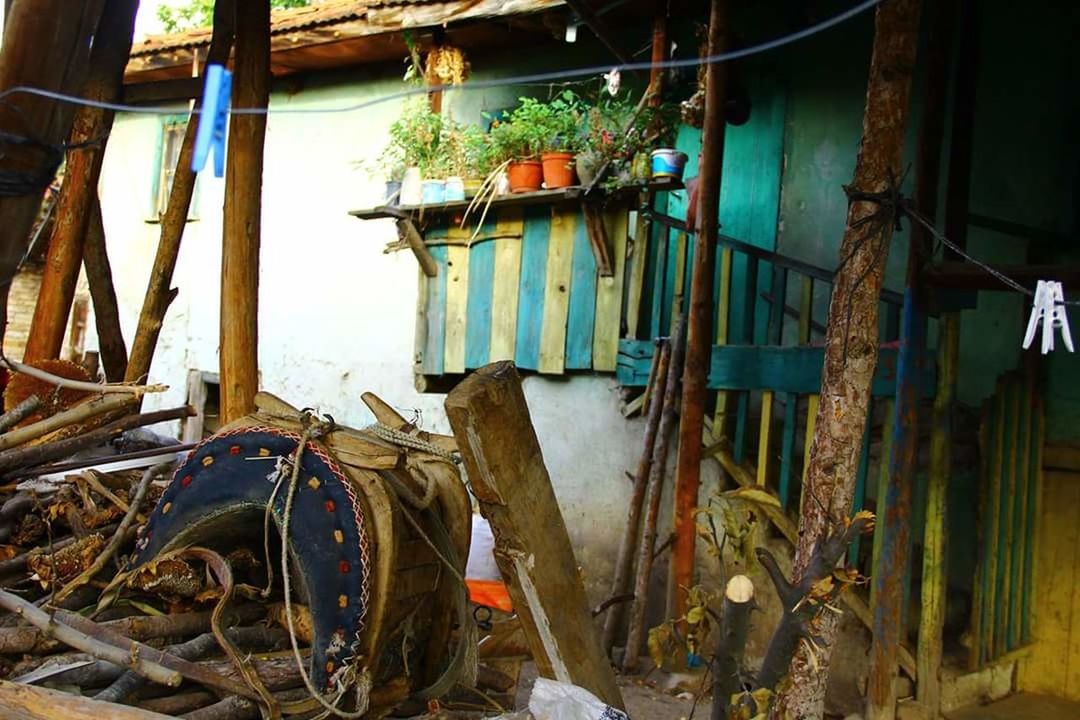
(157, 206)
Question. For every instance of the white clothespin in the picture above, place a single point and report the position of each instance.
(613, 79)
(1048, 309)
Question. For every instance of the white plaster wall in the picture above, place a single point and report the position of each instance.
(336, 315)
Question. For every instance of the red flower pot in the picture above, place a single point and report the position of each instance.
(525, 175)
(558, 169)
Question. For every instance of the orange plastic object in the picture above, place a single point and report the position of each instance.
(490, 593)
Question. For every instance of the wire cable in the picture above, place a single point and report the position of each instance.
(542, 77)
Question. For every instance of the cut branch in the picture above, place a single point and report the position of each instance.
(734, 628)
(52, 627)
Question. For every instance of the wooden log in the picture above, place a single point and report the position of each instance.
(46, 45)
(106, 311)
(55, 626)
(491, 422)
(699, 331)
(635, 629)
(158, 293)
(178, 703)
(734, 629)
(16, 641)
(26, 702)
(851, 339)
(108, 57)
(410, 235)
(243, 209)
(20, 412)
(25, 457)
(624, 563)
(80, 413)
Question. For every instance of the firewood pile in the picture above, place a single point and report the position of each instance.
(194, 632)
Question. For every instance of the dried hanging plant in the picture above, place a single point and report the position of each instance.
(446, 65)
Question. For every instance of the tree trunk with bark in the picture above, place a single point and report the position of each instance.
(851, 340)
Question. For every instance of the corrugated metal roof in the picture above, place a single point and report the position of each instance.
(322, 14)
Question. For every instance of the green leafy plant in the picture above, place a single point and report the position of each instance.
(416, 139)
(536, 126)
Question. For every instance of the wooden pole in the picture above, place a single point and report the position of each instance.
(46, 45)
(491, 422)
(942, 24)
(158, 293)
(659, 52)
(26, 702)
(243, 209)
(103, 293)
(851, 337)
(635, 629)
(112, 45)
(624, 563)
(699, 333)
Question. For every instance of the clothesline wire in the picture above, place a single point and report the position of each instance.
(541, 77)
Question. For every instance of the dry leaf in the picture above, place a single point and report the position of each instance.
(754, 494)
(303, 625)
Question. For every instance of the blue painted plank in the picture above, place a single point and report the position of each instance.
(894, 509)
(582, 313)
(479, 305)
(432, 362)
(742, 419)
(534, 250)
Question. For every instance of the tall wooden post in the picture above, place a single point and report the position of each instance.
(103, 293)
(109, 56)
(158, 293)
(699, 327)
(659, 52)
(851, 336)
(243, 208)
(46, 45)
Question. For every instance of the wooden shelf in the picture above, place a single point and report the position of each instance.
(568, 194)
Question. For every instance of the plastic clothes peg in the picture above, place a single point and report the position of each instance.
(1048, 310)
(217, 94)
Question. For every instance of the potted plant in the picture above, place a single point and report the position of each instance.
(415, 140)
(657, 127)
(517, 143)
(562, 115)
(603, 137)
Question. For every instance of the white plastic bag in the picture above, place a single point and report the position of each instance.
(553, 700)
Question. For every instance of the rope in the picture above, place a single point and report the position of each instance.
(403, 439)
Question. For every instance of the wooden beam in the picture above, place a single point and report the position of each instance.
(411, 236)
(26, 702)
(106, 313)
(598, 237)
(966, 276)
(79, 191)
(699, 324)
(242, 217)
(158, 292)
(502, 455)
(150, 93)
(46, 45)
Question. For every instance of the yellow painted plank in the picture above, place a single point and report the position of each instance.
(557, 291)
(504, 295)
(1057, 618)
(812, 402)
(609, 295)
(1019, 546)
(1070, 510)
(992, 527)
(1005, 600)
(764, 454)
(637, 259)
(457, 299)
(724, 399)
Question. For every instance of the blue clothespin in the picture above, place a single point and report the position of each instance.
(217, 95)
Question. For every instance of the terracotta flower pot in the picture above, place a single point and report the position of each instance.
(525, 175)
(558, 169)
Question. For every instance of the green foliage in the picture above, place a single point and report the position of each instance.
(416, 139)
(535, 127)
(189, 14)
